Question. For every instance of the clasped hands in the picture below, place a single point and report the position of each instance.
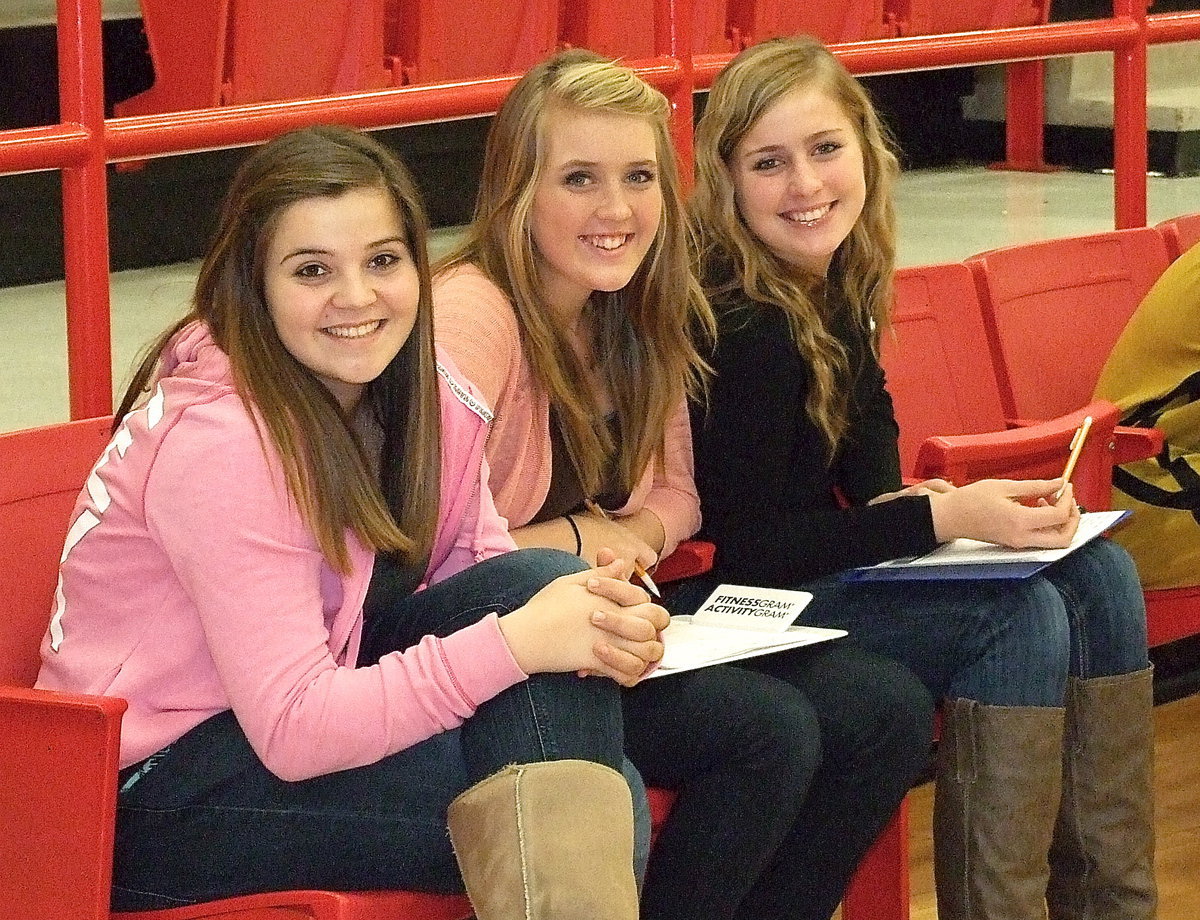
(1021, 513)
(595, 623)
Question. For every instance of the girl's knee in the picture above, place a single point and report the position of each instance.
(903, 702)
(554, 562)
(534, 568)
(1037, 607)
(1107, 607)
(1020, 648)
(1100, 580)
(780, 723)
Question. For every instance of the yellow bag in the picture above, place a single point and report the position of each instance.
(1163, 534)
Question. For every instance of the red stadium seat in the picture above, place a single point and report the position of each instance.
(879, 889)
(691, 557)
(271, 52)
(832, 21)
(1055, 308)
(187, 47)
(938, 374)
(947, 401)
(222, 52)
(933, 17)
(615, 28)
(1181, 233)
(440, 40)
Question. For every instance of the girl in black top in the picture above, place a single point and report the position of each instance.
(798, 474)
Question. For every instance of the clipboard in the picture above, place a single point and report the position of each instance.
(965, 560)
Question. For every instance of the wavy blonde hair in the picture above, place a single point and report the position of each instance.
(639, 334)
(328, 473)
(734, 259)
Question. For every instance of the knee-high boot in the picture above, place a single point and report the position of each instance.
(547, 841)
(997, 794)
(1102, 858)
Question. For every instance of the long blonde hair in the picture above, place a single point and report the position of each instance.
(641, 333)
(328, 474)
(734, 259)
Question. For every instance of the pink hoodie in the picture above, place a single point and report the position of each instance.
(191, 585)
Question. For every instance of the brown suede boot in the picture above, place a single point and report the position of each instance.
(547, 841)
(1102, 859)
(998, 781)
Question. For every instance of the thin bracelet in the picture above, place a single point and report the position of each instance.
(578, 536)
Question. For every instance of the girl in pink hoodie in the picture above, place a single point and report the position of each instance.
(295, 423)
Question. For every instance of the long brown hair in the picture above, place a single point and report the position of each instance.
(328, 473)
(735, 259)
(639, 334)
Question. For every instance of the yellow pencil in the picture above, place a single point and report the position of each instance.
(1081, 434)
(637, 566)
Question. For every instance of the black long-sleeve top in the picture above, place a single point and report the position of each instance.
(767, 490)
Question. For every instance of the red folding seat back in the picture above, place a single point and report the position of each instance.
(936, 17)
(186, 39)
(222, 52)
(294, 49)
(832, 21)
(41, 473)
(1055, 308)
(936, 358)
(615, 28)
(440, 40)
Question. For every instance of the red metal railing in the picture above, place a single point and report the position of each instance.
(85, 141)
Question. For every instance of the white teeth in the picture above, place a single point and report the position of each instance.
(808, 217)
(606, 242)
(353, 332)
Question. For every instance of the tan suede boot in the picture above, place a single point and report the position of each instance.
(1102, 859)
(547, 841)
(997, 794)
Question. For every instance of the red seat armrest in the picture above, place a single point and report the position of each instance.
(1130, 444)
(57, 801)
(691, 557)
(1036, 451)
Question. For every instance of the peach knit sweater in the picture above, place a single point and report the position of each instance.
(475, 321)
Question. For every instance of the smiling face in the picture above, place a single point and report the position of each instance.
(597, 204)
(798, 178)
(342, 287)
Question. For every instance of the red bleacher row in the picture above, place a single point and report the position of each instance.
(952, 323)
(222, 47)
(222, 52)
(1017, 311)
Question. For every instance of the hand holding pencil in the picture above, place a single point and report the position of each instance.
(595, 511)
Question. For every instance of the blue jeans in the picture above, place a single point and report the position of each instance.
(1004, 642)
(207, 820)
(781, 783)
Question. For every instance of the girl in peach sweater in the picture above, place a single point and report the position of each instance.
(571, 306)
